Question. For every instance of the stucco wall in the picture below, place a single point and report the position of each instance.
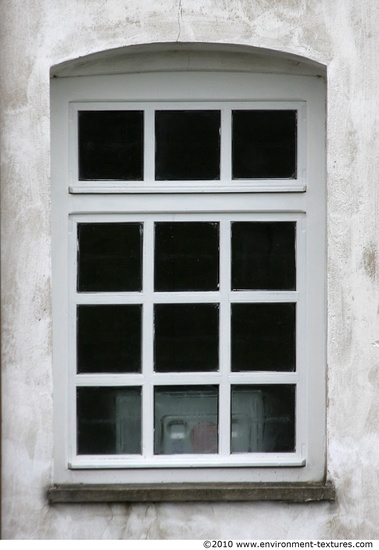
(343, 35)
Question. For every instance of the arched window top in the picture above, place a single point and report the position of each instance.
(187, 57)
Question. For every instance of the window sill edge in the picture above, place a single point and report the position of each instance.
(191, 492)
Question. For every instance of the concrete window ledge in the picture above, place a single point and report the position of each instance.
(192, 492)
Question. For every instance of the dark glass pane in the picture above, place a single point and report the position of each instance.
(187, 145)
(110, 145)
(263, 337)
(186, 420)
(186, 256)
(263, 419)
(109, 257)
(186, 337)
(264, 144)
(109, 420)
(109, 338)
(263, 256)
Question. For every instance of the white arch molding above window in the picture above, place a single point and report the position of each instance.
(189, 268)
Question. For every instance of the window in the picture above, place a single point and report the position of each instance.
(189, 277)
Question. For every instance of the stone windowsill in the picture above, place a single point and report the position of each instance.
(192, 492)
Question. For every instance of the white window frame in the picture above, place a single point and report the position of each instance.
(301, 200)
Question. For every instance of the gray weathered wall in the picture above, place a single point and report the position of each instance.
(342, 34)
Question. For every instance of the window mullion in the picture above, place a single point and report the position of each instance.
(224, 391)
(149, 145)
(148, 341)
(226, 146)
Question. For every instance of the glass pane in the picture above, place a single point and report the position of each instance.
(263, 256)
(110, 145)
(263, 419)
(186, 420)
(187, 145)
(109, 257)
(264, 144)
(186, 256)
(109, 338)
(263, 337)
(109, 420)
(186, 337)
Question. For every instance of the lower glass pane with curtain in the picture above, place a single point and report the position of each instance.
(263, 418)
(186, 420)
(109, 420)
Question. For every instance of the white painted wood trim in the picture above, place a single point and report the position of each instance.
(272, 200)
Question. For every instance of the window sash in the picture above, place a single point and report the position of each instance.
(148, 379)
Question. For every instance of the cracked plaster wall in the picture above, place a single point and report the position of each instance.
(343, 35)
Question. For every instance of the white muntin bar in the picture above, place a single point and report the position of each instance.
(148, 341)
(224, 336)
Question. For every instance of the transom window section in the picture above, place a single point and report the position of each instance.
(177, 324)
(244, 145)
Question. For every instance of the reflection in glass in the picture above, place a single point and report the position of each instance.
(109, 420)
(109, 257)
(263, 337)
(186, 337)
(110, 145)
(109, 338)
(186, 256)
(187, 145)
(186, 420)
(263, 419)
(264, 144)
(263, 256)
